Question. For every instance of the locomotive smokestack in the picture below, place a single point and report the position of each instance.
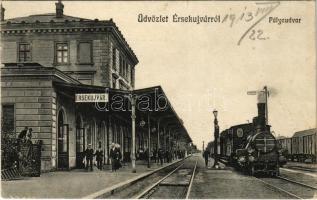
(261, 110)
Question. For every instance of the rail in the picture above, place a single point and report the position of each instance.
(280, 189)
(157, 184)
(191, 181)
(290, 193)
(298, 183)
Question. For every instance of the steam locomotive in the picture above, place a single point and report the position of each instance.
(251, 147)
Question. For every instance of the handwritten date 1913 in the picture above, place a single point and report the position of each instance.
(254, 17)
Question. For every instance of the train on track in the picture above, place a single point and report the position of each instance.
(251, 147)
(301, 147)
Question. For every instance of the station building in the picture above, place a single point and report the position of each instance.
(48, 59)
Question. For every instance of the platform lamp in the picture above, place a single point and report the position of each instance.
(216, 135)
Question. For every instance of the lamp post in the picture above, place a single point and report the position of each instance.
(133, 116)
(266, 107)
(216, 135)
(203, 145)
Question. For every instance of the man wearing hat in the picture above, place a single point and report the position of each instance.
(89, 153)
(113, 156)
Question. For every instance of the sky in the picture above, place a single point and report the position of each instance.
(201, 67)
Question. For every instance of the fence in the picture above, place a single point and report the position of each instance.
(19, 157)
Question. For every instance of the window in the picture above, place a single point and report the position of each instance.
(24, 52)
(114, 82)
(84, 53)
(114, 58)
(62, 53)
(129, 73)
(132, 76)
(7, 119)
(121, 65)
(126, 70)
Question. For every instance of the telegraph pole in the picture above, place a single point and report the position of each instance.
(216, 135)
(266, 106)
(149, 141)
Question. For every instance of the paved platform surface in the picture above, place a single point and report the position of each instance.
(312, 166)
(72, 184)
(228, 184)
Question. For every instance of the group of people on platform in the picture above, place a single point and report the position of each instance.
(115, 156)
(160, 155)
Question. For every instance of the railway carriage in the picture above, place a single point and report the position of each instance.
(285, 144)
(303, 146)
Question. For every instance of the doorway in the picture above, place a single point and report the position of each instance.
(63, 138)
(80, 143)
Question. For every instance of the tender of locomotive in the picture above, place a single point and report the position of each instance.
(232, 139)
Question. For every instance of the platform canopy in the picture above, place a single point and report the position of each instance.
(150, 102)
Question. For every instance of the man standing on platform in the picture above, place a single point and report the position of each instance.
(206, 156)
(160, 155)
(89, 153)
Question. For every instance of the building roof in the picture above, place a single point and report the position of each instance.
(48, 17)
(305, 132)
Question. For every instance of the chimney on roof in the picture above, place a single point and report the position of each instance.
(2, 13)
(59, 9)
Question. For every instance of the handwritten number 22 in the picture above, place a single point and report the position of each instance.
(257, 35)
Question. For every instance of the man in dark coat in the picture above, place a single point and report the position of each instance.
(113, 156)
(116, 156)
(161, 155)
(99, 158)
(167, 156)
(155, 155)
(89, 153)
(206, 156)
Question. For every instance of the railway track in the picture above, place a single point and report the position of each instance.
(175, 185)
(291, 188)
(305, 169)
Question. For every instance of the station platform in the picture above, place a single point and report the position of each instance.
(309, 166)
(77, 183)
(226, 183)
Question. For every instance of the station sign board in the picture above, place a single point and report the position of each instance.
(92, 98)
